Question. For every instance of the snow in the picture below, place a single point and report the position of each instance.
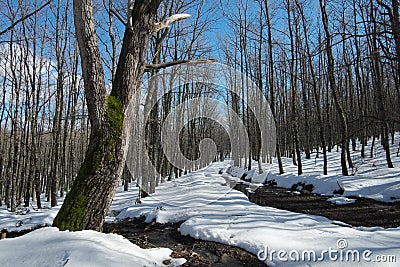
(370, 177)
(339, 200)
(122, 200)
(29, 217)
(210, 209)
(51, 247)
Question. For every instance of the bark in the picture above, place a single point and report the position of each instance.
(87, 204)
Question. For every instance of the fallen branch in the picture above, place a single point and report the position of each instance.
(150, 67)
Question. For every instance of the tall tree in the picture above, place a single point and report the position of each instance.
(272, 83)
(293, 83)
(334, 89)
(315, 90)
(87, 204)
(378, 87)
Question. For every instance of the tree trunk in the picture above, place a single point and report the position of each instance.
(315, 92)
(378, 87)
(272, 87)
(334, 89)
(87, 204)
(294, 89)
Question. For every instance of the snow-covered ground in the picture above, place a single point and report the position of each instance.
(371, 178)
(211, 210)
(30, 217)
(51, 247)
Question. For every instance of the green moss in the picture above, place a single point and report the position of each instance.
(71, 217)
(72, 211)
(114, 121)
(115, 116)
(71, 214)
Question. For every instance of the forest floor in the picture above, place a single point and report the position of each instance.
(201, 218)
(363, 212)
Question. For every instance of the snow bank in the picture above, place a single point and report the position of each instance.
(50, 247)
(28, 218)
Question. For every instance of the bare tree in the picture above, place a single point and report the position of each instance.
(86, 205)
(334, 89)
(378, 87)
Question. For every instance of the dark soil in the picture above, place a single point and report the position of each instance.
(23, 232)
(364, 212)
(196, 252)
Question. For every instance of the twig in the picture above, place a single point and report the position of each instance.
(24, 18)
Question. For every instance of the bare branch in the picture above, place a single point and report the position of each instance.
(117, 15)
(24, 18)
(150, 67)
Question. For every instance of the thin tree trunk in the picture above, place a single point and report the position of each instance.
(272, 86)
(378, 86)
(334, 89)
(293, 84)
(315, 91)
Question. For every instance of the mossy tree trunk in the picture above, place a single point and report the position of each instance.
(89, 199)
